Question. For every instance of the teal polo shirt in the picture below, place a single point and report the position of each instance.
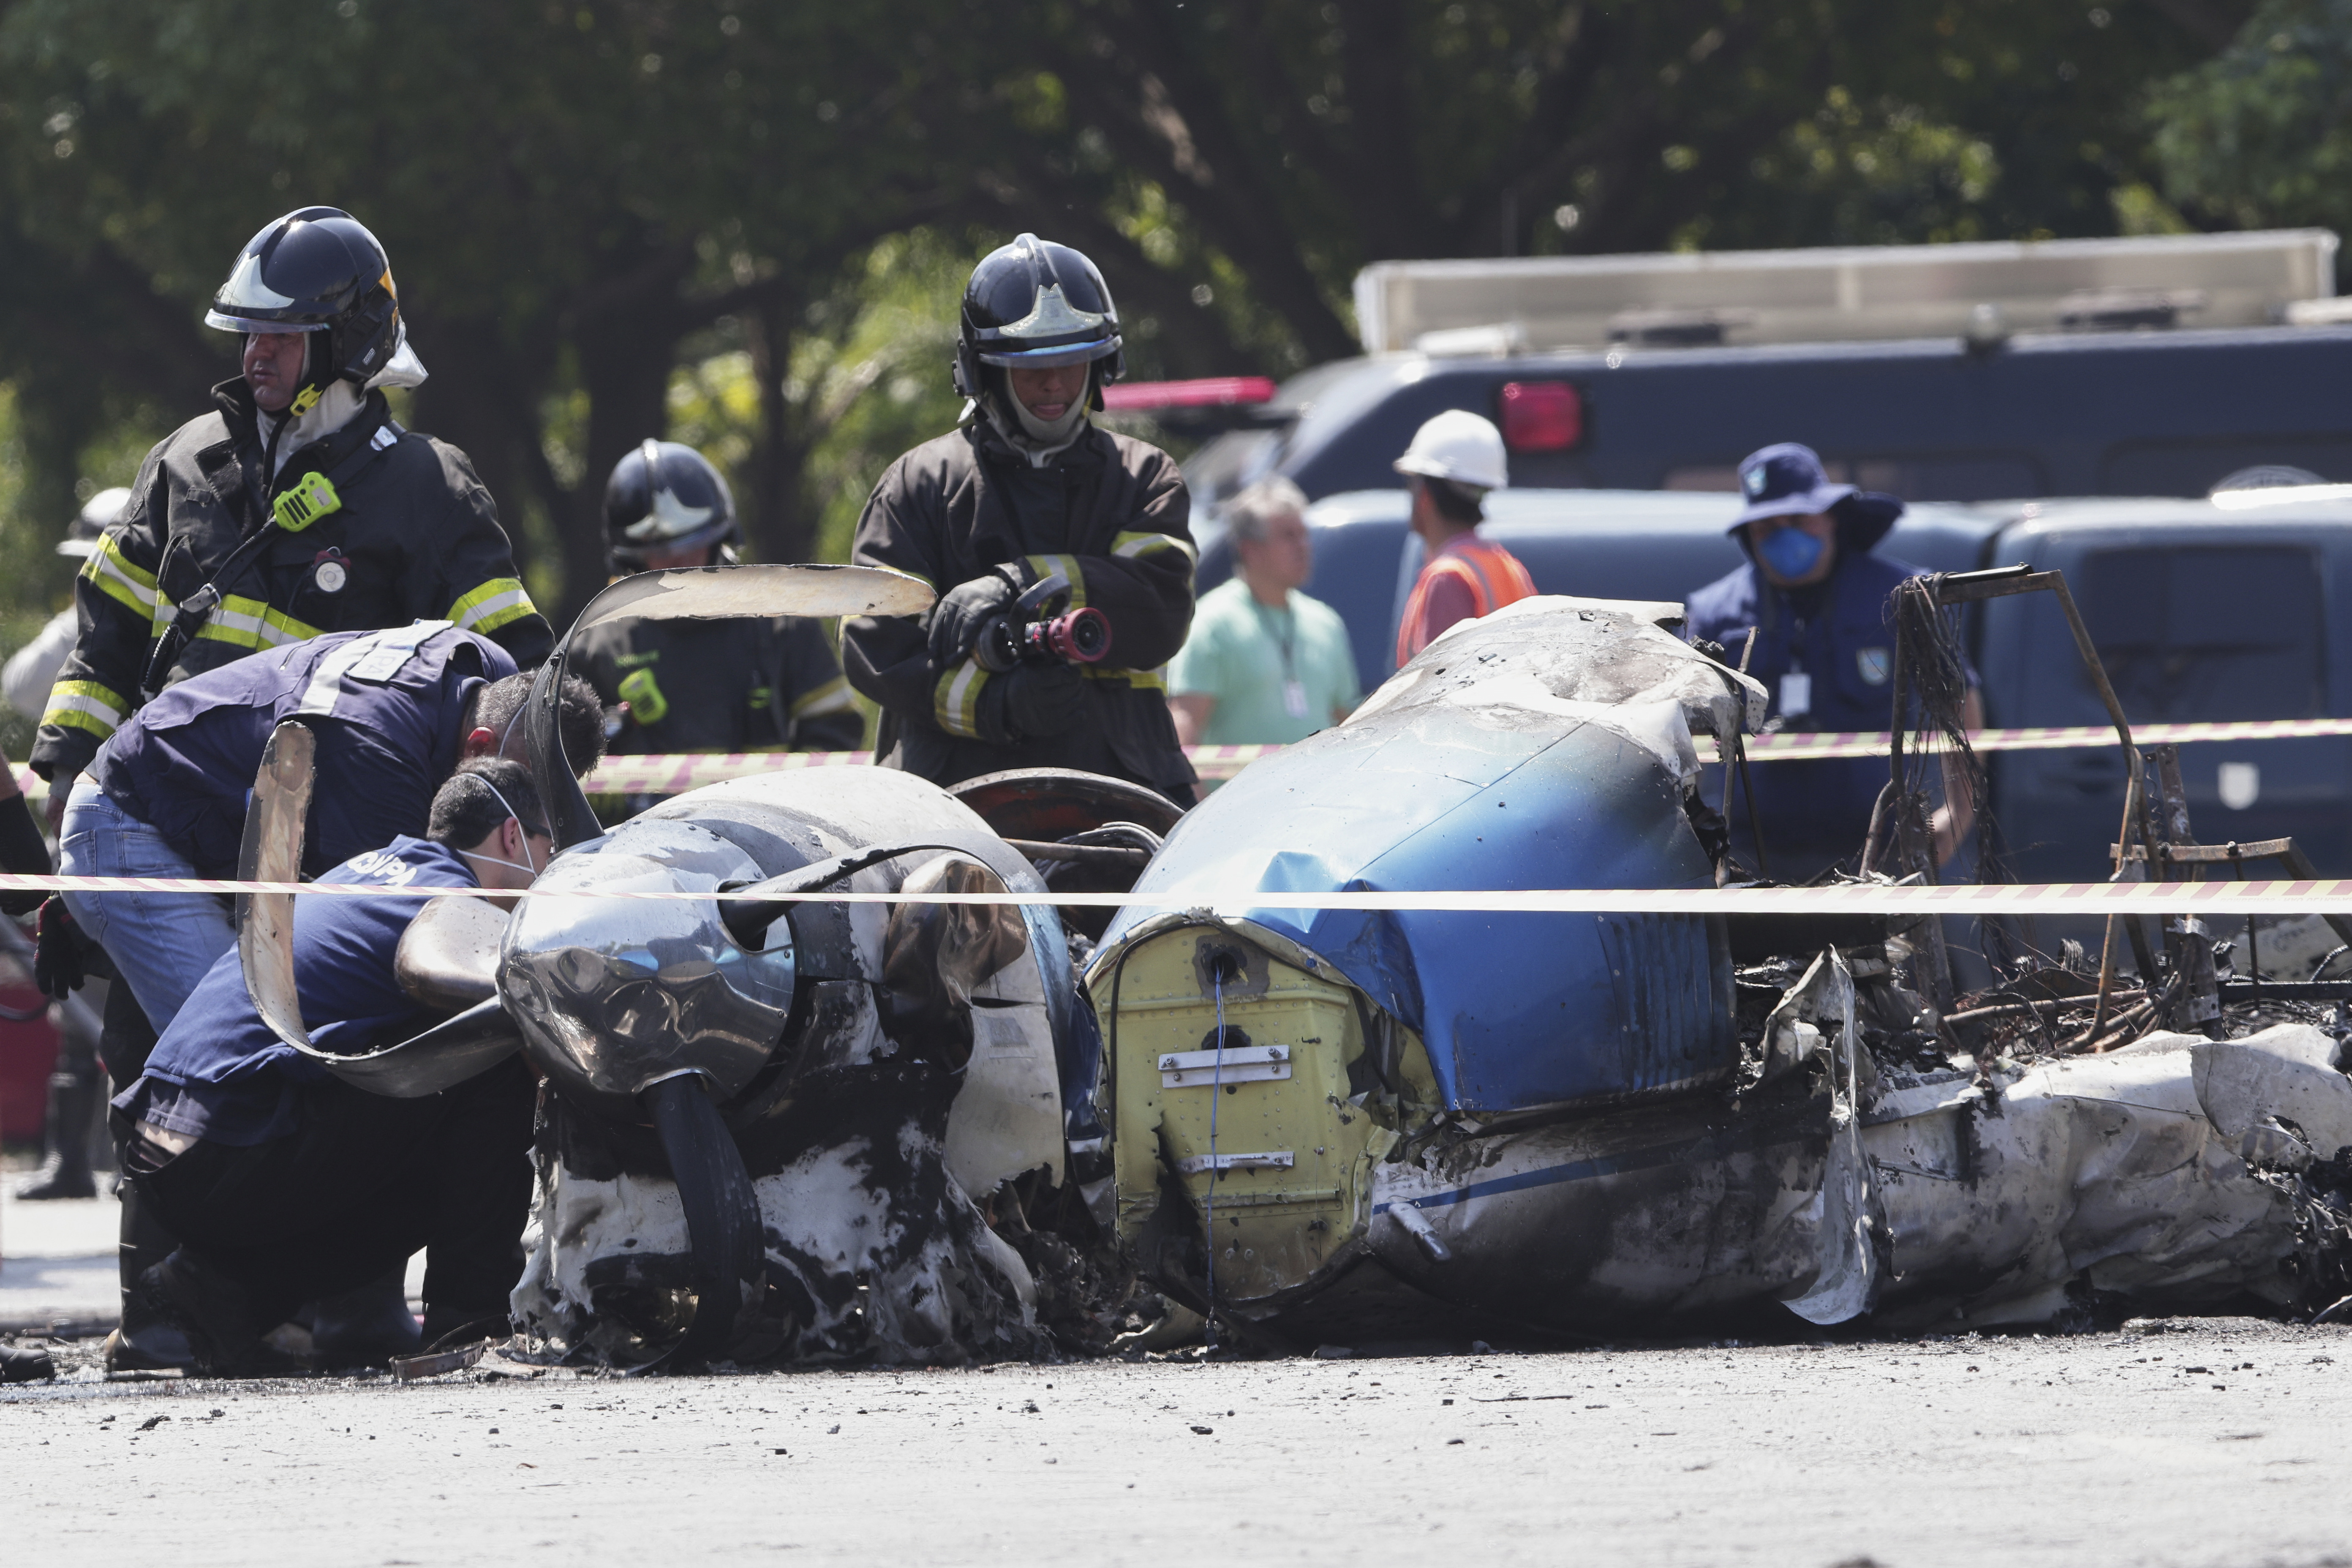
(1244, 655)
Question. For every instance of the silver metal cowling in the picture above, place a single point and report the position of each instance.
(614, 995)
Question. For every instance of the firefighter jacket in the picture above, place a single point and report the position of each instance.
(1110, 513)
(720, 686)
(413, 536)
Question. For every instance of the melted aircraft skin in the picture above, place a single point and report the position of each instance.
(844, 1101)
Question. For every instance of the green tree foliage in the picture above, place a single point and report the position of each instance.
(2262, 135)
(745, 223)
(567, 191)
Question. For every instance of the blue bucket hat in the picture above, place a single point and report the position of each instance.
(1787, 481)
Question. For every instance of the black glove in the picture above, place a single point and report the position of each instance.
(56, 950)
(1032, 702)
(957, 617)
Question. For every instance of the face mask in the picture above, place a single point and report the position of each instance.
(1791, 552)
(517, 817)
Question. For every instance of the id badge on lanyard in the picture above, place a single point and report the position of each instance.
(1294, 698)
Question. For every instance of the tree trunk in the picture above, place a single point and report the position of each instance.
(469, 402)
(625, 356)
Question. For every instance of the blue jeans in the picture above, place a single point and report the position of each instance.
(162, 944)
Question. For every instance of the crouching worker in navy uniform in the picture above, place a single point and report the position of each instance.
(1820, 604)
(285, 1183)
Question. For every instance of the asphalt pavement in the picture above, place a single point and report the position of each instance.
(2212, 1441)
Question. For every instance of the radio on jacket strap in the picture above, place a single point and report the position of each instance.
(313, 496)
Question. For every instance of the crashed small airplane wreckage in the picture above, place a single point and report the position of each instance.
(770, 1127)
(781, 1130)
(1346, 1126)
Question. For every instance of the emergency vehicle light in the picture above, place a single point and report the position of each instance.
(1208, 392)
(1541, 416)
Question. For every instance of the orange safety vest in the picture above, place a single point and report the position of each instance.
(1493, 573)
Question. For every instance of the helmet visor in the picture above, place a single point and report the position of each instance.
(1001, 352)
(228, 322)
(247, 303)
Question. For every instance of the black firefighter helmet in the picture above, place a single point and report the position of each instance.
(1035, 303)
(316, 270)
(664, 496)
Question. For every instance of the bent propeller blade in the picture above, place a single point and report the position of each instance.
(713, 593)
(272, 852)
(696, 593)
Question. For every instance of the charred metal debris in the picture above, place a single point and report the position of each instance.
(796, 1133)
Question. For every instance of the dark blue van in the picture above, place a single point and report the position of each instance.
(2168, 412)
(2201, 612)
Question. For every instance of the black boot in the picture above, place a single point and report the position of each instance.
(26, 1366)
(146, 1342)
(66, 1171)
(367, 1326)
(218, 1315)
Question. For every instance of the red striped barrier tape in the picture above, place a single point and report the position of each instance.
(2323, 896)
(675, 772)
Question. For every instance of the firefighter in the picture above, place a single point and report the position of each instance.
(1454, 460)
(736, 685)
(1025, 489)
(297, 506)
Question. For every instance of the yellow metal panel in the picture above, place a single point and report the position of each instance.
(1275, 1228)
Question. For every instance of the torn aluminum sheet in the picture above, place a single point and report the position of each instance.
(906, 1066)
(2153, 1173)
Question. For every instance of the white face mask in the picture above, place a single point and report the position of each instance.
(514, 816)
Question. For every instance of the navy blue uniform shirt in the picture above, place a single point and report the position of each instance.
(219, 1072)
(1840, 634)
(386, 706)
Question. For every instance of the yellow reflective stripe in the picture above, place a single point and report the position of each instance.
(116, 577)
(1134, 544)
(956, 700)
(249, 623)
(830, 698)
(85, 705)
(1044, 566)
(497, 603)
(1147, 679)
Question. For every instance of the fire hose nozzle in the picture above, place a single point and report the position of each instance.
(1024, 634)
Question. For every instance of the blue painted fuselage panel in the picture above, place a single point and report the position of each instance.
(1516, 1010)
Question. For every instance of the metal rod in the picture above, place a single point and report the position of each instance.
(1747, 794)
(1085, 854)
(2209, 854)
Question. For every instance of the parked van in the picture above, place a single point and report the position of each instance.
(2141, 366)
(2202, 610)
(2165, 412)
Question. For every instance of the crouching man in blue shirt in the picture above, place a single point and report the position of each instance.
(283, 1183)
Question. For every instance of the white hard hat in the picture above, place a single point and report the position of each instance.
(102, 512)
(1457, 445)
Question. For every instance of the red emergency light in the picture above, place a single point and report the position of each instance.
(1541, 416)
(1207, 392)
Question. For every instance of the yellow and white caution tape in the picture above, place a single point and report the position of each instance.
(2323, 896)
